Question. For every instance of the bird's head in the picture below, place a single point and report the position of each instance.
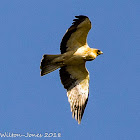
(99, 52)
(92, 54)
(96, 52)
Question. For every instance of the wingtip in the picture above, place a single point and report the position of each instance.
(81, 16)
(41, 74)
(79, 122)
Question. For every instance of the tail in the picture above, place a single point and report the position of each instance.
(46, 64)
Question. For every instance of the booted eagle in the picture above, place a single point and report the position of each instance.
(73, 73)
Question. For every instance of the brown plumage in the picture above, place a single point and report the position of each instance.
(73, 73)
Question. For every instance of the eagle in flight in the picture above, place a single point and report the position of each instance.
(73, 73)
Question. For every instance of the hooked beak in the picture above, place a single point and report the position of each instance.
(101, 52)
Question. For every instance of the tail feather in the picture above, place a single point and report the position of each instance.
(46, 64)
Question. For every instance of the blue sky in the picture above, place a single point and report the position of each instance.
(30, 103)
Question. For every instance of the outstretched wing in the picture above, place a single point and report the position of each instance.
(76, 35)
(76, 80)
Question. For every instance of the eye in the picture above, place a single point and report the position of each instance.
(98, 52)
